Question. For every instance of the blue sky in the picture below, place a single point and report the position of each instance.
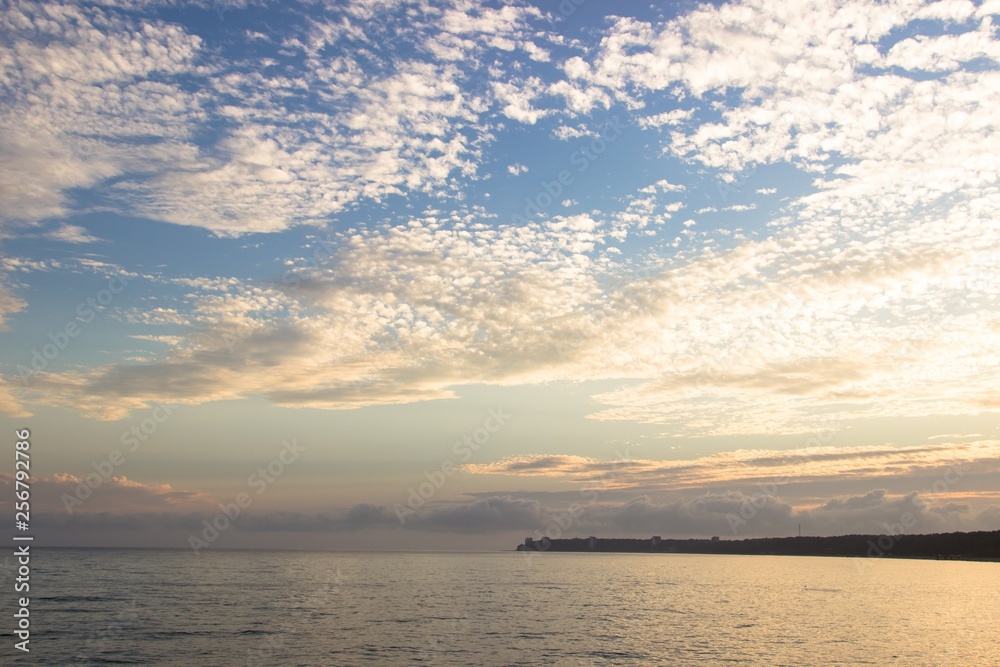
(703, 258)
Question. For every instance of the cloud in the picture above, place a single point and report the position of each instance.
(487, 515)
(517, 169)
(728, 513)
(35, 171)
(746, 467)
(709, 514)
(944, 52)
(483, 515)
(114, 495)
(670, 118)
(731, 514)
(106, 65)
(403, 132)
(518, 97)
(357, 334)
(663, 185)
(71, 234)
(176, 130)
(783, 335)
(839, 109)
(738, 515)
(872, 295)
(10, 405)
(9, 304)
(878, 512)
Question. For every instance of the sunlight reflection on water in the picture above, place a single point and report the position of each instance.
(274, 608)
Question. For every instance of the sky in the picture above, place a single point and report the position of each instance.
(401, 274)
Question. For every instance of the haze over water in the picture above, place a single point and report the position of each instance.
(369, 608)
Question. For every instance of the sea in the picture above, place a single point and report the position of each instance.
(256, 608)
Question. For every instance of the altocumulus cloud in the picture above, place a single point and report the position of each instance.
(145, 88)
(789, 331)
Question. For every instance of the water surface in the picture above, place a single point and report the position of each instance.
(95, 607)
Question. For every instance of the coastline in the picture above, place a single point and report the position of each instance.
(981, 546)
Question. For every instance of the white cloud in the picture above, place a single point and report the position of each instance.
(988, 7)
(143, 91)
(665, 186)
(36, 168)
(71, 234)
(536, 52)
(580, 100)
(662, 185)
(357, 332)
(948, 10)
(904, 168)
(875, 295)
(517, 98)
(776, 336)
(565, 132)
(675, 117)
(78, 80)
(944, 52)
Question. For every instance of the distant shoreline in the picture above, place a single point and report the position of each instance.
(973, 546)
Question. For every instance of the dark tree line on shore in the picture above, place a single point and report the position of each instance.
(983, 545)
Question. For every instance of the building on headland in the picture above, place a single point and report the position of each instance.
(544, 544)
(715, 538)
(592, 542)
(655, 542)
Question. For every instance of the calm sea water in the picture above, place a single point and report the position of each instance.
(97, 607)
